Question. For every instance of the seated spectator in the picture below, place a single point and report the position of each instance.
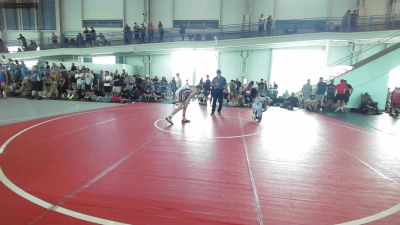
(311, 104)
(32, 46)
(290, 102)
(395, 103)
(102, 40)
(368, 106)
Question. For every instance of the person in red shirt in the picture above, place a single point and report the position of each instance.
(395, 103)
(341, 95)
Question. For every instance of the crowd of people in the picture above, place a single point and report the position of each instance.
(350, 20)
(89, 38)
(58, 82)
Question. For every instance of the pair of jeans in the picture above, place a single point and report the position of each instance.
(218, 95)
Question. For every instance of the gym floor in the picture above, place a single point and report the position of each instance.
(87, 163)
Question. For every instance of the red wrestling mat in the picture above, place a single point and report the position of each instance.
(126, 164)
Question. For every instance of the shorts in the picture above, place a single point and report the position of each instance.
(107, 88)
(37, 86)
(340, 97)
(320, 97)
(183, 95)
(116, 89)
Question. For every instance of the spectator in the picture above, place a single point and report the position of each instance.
(142, 33)
(37, 83)
(306, 90)
(32, 46)
(261, 23)
(238, 85)
(330, 96)
(368, 106)
(290, 102)
(269, 23)
(150, 31)
(173, 87)
(107, 83)
(353, 20)
(182, 31)
(262, 87)
(88, 37)
(233, 95)
(178, 81)
(79, 40)
(341, 95)
(161, 30)
(395, 103)
(320, 92)
(136, 31)
(23, 41)
(54, 38)
(207, 86)
(127, 34)
(346, 21)
(102, 40)
(311, 104)
(348, 92)
(93, 36)
(65, 42)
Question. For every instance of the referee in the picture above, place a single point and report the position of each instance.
(218, 84)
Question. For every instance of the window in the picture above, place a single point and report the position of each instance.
(107, 60)
(28, 19)
(47, 14)
(103, 23)
(11, 19)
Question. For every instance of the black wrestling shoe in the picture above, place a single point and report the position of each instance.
(168, 119)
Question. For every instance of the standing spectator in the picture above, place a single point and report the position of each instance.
(79, 40)
(238, 85)
(107, 83)
(269, 23)
(306, 90)
(182, 31)
(54, 38)
(23, 41)
(320, 92)
(218, 83)
(346, 21)
(353, 20)
(150, 31)
(142, 32)
(88, 36)
(348, 92)
(136, 30)
(341, 95)
(262, 87)
(93, 36)
(127, 34)
(3, 82)
(73, 67)
(207, 87)
(161, 30)
(261, 23)
(178, 81)
(173, 87)
(37, 83)
(330, 95)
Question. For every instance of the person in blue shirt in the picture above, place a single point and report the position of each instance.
(320, 92)
(218, 84)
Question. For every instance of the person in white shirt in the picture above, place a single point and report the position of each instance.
(88, 80)
(178, 81)
(107, 83)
